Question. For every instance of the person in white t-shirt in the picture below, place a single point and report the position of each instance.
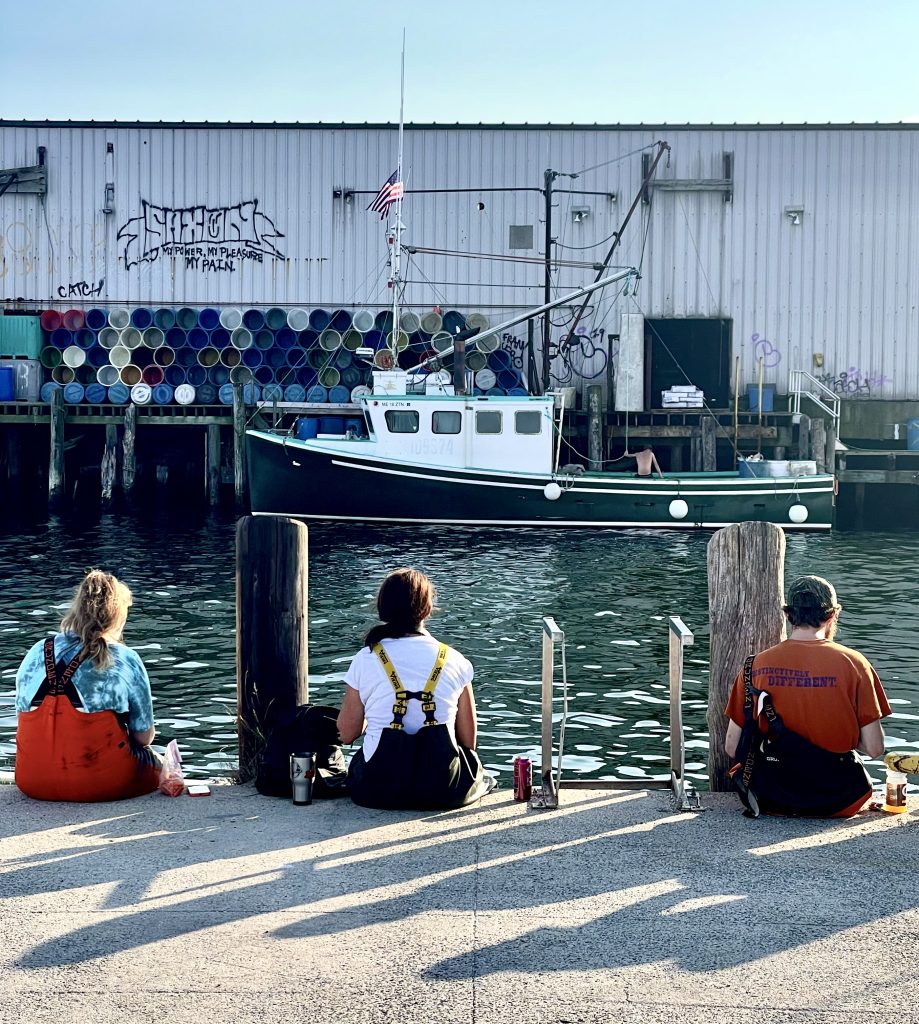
(412, 699)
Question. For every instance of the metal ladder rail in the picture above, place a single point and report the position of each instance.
(822, 396)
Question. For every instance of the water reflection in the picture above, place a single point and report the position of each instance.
(610, 591)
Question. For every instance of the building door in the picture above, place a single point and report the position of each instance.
(688, 351)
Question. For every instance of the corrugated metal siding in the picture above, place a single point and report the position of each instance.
(838, 285)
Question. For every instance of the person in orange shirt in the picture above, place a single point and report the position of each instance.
(825, 692)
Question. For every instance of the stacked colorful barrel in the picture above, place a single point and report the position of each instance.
(195, 355)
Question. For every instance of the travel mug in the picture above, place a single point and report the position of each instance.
(302, 770)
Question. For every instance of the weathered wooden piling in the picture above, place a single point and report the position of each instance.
(595, 428)
(56, 459)
(804, 437)
(818, 444)
(128, 450)
(746, 585)
(709, 444)
(13, 441)
(213, 463)
(239, 445)
(109, 462)
(272, 669)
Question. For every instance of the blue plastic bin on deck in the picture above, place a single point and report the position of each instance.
(331, 424)
(768, 397)
(912, 435)
(753, 467)
(7, 384)
(307, 427)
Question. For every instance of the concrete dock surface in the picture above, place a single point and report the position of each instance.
(242, 908)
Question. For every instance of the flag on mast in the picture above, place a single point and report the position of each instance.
(390, 193)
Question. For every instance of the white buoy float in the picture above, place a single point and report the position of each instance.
(552, 491)
(679, 509)
(798, 513)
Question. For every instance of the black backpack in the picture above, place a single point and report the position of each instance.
(311, 727)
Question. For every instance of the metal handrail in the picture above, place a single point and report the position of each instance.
(832, 409)
(551, 635)
(684, 794)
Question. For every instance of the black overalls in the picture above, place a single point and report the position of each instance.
(425, 771)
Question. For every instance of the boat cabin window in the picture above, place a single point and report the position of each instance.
(402, 421)
(488, 422)
(447, 422)
(528, 422)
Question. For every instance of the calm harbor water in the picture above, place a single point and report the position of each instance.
(610, 591)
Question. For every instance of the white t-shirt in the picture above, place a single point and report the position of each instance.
(413, 657)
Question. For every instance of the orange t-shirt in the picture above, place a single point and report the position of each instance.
(823, 691)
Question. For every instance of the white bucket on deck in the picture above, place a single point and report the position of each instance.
(802, 467)
(389, 382)
(777, 467)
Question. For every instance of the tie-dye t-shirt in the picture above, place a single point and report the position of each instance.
(123, 687)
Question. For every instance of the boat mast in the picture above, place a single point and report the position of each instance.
(395, 234)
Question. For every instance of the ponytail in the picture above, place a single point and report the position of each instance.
(405, 599)
(100, 605)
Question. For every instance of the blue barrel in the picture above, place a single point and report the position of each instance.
(142, 318)
(340, 395)
(220, 337)
(96, 319)
(296, 357)
(307, 427)
(375, 339)
(74, 393)
(351, 376)
(320, 319)
(186, 356)
(208, 318)
(176, 337)
(7, 384)
(253, 320)
(286, 338)
(84, 338)
(175, 375)
(331, 424)
(96, 394)
(508, 379)
(354, 423)
(342, 358)
(294, 393)
(263, 374)
(252, 356)
(518, 392)
(252, 394)
(196, 375)
(912, 435)
(305, 375)
(500, 359)
(162, 394)
(276, 357)
(263, 339)
(61, 338)
(206, 394)
(308, 339)
(453, 321)
(119, 394)
(198, 338)
(225, 394)
(317, 393)
(163, 318)
(383, 321)
(418, 342)
(218, 375)
(495, 392)
(273, 393)
(46, 390)
(341, 321)
(97, 356)
(276, 318)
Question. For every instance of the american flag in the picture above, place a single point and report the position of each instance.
(388, 194)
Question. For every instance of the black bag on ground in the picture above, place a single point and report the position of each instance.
(781, 772)
(311, 727)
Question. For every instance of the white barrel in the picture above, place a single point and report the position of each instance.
(363, 321)
(131, 337)
(107, 375)
(119, 319)
(443, 341)
(330, 340)
(141, 394)
(777, 467)
(119, 356)
(184, 394)
(476, 321)
(802, 467)
(241, 338)
(153, 337)
(359, 392)
(108, 337)
(410, 321)
(230, 319)
(431, 322)
(298, 319)
(487, 342)
(485, 379)
(74, 356)
(240, 375)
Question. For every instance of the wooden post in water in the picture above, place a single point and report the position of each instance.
(272, 670)
(239, 445)
(804, 437)
(595, 428)
(56, 460)
(709, 444)
(830, 456)
(213, 463)
(109, 462)
(13, 441)
(818, 444)
(128, 452)
(746, 585)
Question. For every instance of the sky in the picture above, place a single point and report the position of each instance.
(697, 61)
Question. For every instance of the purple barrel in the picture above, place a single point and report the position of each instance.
(320, 320)
(96, 319)
(253, 320)
(142, 318)
(208, 318)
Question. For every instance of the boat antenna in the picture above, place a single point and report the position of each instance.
(395, 232)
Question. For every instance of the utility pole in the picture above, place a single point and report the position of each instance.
(550, 177)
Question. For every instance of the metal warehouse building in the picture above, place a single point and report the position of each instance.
(794, 244)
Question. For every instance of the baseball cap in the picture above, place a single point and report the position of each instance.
(812, 592)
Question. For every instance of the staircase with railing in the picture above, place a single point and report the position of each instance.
(802, 384)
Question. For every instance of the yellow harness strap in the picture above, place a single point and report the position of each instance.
(403, 696)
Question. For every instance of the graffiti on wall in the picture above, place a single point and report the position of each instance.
(762, 347)
(854, 383)
(81, 289)
(207, 238)
(583, 355)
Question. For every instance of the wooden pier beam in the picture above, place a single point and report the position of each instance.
(109, 462)
(746, 585)
(213, 463)
(709, 444)
(595, 428)
(818, 444)
(128, 450)
(830, 457)
(804, 437)
(272, 628)
(56, 460)
(239, 446)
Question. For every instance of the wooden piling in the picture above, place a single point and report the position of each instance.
(595, 428)
(213, 463)
(818, 444)
(746, 585)
(109, 462)
(239, 446)
(804, 437)
(162, 474)
(56, 459)
(830, 456)
(709, 444)
(13, 441)
(272, 669)
(128, 452)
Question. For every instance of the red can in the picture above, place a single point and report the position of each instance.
(523, 779)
